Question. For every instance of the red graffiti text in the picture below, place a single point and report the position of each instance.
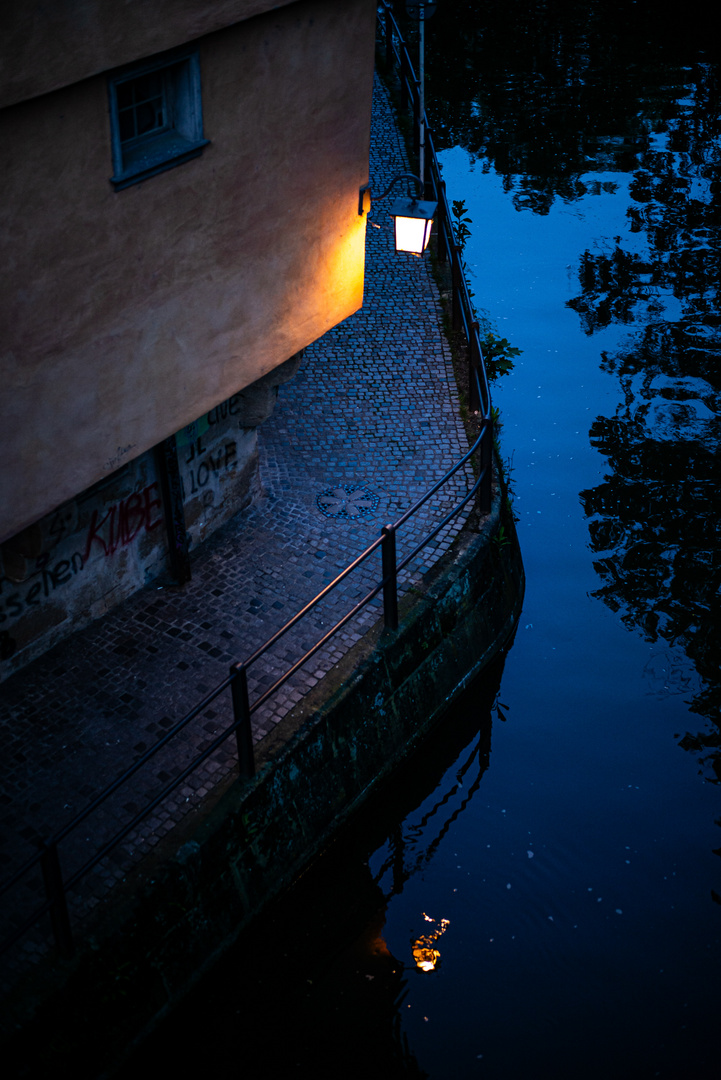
(124, 520)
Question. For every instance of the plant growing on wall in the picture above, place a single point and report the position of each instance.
(461, 221)
(498, 353)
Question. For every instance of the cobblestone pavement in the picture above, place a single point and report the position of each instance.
(368, 424)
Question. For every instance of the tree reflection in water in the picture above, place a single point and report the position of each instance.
(653, 521)
(546, 94)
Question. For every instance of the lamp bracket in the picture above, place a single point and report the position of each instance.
(377, 198)
(364, 203)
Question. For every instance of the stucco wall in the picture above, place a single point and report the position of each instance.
(127, 314)
(44, 46)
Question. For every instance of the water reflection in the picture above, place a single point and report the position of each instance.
(313, 985)
(653, 521)
(413, 843)
(539, 90)
(425, 953)
(546, 94)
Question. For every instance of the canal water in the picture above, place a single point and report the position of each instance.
(538, 893)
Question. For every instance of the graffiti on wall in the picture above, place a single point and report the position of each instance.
(41, 583)
(110, 528)
(221, 412)
(204, 463)
(34, 572)
(121, 523)
(199, 472)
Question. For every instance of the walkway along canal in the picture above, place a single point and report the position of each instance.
(168, 916)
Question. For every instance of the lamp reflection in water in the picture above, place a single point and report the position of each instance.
(426, 956)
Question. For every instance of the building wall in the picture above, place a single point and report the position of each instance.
(128, 314)
(93, 551)
(49, 45)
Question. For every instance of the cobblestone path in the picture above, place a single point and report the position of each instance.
(368, 424)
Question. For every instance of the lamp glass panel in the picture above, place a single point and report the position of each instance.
(413, 234)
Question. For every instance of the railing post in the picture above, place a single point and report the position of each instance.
(456, 275)
(389, 41)
(443, 224)
(474, 361)
(404, 77)
(241, 716)
(390, 584)
(55, 892)
(427, 185)
(486, 465)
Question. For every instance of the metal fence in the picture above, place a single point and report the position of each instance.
(398, 63)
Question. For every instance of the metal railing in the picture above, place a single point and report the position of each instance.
(398, 62)
(47, 858)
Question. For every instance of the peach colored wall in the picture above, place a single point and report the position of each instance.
(46, 45)
(128, 314)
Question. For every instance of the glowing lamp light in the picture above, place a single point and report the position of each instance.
(426, 957)
(413, 221)
(413, 217)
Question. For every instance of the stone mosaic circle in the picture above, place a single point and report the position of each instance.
(347, 501)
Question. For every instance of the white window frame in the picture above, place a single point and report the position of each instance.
(181, 136)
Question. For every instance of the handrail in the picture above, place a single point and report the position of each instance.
(463, 314)
(47, 858)
(397, 56)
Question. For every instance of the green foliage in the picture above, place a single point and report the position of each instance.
(501, 539)
(461, 232)
(505, 475)
(460, 223)
(251, 827)
(498, 354)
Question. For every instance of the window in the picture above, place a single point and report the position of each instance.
(156, 119)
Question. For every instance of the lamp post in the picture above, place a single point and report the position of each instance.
(418, 9)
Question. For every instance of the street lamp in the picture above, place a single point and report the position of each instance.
(421, 10)
(413, 217)
(413, 221)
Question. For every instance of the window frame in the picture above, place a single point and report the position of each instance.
(181, 137)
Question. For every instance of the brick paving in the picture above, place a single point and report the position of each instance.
(373, 406)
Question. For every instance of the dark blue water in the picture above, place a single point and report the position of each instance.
(539, 893)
